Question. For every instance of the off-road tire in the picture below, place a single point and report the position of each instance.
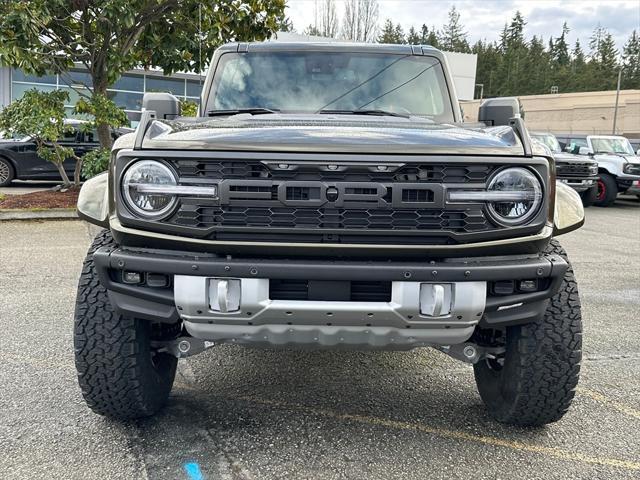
(589, 197)
(607, 190)
(7, 172)
(537, 381)
(119, 373)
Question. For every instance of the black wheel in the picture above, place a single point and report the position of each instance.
(589, 196)
(120, 374)
(7, 172)
(607, 190)
(534, 382)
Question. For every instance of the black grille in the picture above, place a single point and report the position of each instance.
(353, 291)
(460, 221)
(574, 169)
(437, 173)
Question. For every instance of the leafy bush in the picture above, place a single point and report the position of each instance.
(95, 162)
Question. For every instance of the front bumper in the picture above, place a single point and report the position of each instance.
(397, 323)
(579, 184)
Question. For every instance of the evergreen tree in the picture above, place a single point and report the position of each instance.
(559, 49)
(391, 33)
(603, 65)
(413, 38)
(453, 38)
(631, 62)
(512, 72)
(424, 34)
(432, 39)
(578, 70)
(399, 33)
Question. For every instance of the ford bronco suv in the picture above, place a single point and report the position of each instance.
(328, 196)
(579, 172)
(618, 164)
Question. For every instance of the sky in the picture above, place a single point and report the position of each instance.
(484, 19)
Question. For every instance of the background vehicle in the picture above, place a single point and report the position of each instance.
(328, 197)
(618, 164)
(579, 172)
(19, 160)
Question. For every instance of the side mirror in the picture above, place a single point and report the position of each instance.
(638, 152)
(165, 105)
(498, 111)
(584, 151)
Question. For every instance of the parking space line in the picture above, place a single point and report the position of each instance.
(599, 397)
(452, 434)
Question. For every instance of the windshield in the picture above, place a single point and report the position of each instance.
(549, 140)
(307, 82)
(611, 145)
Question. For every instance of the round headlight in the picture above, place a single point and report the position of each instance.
(516, 195)
(139, 188)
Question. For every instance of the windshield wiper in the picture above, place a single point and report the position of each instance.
(382, 113)
(236, 111)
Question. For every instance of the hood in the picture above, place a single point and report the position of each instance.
(329, 133)
(616, 157)
(564, 157)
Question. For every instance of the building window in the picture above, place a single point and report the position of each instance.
(127, 92)
(170, 85)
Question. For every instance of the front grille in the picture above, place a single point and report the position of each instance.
(332, 218)
(574, 169)
(354, 201)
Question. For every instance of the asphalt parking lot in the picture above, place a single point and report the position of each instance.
(239, 413)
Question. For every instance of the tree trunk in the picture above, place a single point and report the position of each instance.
(63, 174)
(104, 135)
(103, 129)
(77, 172)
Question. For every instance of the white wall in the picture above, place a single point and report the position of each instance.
(463, 70)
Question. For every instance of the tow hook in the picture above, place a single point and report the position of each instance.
(183, 347)
(470, 352)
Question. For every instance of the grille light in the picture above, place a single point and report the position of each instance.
(513, 196)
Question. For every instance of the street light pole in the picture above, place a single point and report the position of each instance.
(615, 110)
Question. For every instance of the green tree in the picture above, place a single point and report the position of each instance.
(413, 38)
(512, 73)
(453, 38)
(578, 68)
(109, 37)
(40, 115)
(489, 64)
(631, 62)
(603, 65)
(391, 33)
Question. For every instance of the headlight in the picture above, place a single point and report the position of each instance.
(632, 168)
(513, 196)
(516, 196)
(144, 187)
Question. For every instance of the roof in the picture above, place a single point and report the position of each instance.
(333, 47)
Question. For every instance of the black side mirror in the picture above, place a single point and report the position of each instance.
(499, 111)
(165, 105)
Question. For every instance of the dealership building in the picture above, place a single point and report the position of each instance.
(127, 92)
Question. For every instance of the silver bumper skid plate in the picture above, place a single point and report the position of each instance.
(239, 310)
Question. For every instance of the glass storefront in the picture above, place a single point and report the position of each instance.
(127, 92)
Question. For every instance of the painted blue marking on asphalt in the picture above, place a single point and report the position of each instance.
(193, 471)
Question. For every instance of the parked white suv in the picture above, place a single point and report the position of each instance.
(618, 164)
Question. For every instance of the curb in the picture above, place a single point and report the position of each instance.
(49, 214)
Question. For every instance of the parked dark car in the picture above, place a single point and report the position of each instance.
(19, 160)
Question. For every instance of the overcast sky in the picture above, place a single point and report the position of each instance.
(486, 18)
